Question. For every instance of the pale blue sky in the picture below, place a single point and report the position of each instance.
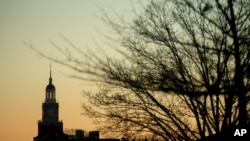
(24, 74)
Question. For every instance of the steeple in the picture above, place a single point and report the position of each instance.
(50, 95)
(50, 128)
(50, 78)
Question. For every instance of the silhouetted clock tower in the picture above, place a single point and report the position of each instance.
(50, 128)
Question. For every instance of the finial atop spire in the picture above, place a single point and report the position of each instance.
(50, 78)
(50, 69)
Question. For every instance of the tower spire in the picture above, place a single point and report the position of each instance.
(50, 69)
(50, 78)
(50, 89)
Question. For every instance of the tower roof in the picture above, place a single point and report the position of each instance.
(50, 86)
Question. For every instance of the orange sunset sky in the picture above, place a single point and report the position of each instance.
(24, 74)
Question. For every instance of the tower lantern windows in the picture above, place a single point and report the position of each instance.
(50, 95)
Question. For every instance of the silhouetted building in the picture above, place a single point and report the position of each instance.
(79, 136)
(50, 128)
(93, 136)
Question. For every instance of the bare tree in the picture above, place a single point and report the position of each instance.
(184, 74)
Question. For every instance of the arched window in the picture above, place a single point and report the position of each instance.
(47, 95)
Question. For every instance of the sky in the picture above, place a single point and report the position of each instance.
(24, 74)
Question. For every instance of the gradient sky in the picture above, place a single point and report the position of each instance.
(24, 74)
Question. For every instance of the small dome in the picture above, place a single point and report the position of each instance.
(50, 87)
